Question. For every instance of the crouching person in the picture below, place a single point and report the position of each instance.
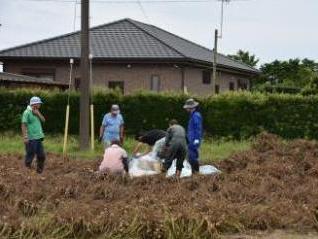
(175, 147)
(115, 159)
(33, 134)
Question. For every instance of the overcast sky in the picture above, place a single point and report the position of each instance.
(270, 29)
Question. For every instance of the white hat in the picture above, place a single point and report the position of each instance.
(35, 100)
(190, 104)
(115, 109)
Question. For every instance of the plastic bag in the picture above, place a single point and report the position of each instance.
(187, 171)
(143, 166)
(208, 169)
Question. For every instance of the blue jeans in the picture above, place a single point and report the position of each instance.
(193, 152)
(35, 148)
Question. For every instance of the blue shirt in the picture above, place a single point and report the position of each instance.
(112, 126)
(194, 127)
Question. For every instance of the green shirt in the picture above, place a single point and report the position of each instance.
(33, 124)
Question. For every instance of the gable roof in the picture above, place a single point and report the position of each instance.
(125, 39)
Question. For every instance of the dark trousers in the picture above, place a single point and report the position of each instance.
(193, 152)
(35, 148)
(175, 151)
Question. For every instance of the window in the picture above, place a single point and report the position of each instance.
(116, 85)
(231, 86)
(206, 77)
(217, 89)
(155, 83)
(242, 84)
(46, 74)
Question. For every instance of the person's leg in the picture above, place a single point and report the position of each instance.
(193, 153)
(170, 156)
(29, 153)
(40, 156)
(181, 155)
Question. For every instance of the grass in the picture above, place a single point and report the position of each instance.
(211, 150)
(216, 150)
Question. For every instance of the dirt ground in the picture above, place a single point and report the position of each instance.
(278, 234)
(271, 187)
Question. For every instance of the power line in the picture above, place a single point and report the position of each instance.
(143, 11)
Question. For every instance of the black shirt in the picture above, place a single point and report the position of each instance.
(151, 136)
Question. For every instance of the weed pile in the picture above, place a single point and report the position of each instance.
(271, 186)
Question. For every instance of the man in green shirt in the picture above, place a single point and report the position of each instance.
(33, 134)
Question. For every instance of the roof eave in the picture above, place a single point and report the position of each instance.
(210, 65)
(131, 60)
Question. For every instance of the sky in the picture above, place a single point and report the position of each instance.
(270, 29)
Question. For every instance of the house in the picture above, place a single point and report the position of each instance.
(130, 55)
(9, 80)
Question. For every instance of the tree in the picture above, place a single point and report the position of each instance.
(245, 57)
(312, 87)
(291, 73)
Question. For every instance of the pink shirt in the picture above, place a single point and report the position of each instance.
(113, 159)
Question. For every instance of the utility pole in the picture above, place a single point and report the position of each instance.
(85, 81)
(215, 50)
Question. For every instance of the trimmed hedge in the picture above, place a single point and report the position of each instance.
(236, 115)
(280, 89)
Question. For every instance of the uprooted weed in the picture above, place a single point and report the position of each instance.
(271, 186)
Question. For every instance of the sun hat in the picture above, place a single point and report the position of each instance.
(190, 104)
(35, 100)
(115, 109)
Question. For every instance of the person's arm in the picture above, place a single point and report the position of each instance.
(122, 130)
(24, 128)
(24, 133)
(38, 114)
(102, 128)
(137, 148)
(101, 131)
(168, 137)
(197, 121)
(146, 152)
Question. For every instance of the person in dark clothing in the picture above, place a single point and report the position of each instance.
(176, 147)
(194, 133)
(149, 138)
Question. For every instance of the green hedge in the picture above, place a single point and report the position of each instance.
(237, 115)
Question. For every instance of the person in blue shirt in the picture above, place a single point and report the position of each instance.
(112, 127)
(194, 133)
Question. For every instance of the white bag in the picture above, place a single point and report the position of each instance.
(208, 169)
(187, 171)
(143, 166)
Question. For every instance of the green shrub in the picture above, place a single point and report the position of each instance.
(278, 89)
(232, 115)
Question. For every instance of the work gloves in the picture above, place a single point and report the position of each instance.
(196, 142)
